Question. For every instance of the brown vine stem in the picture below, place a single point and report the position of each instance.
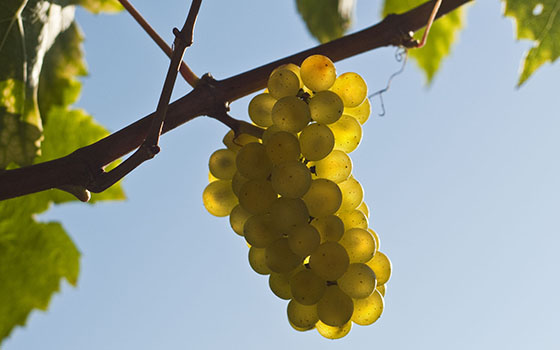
(84, 166)
(187, 74)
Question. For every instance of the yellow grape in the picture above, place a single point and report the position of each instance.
(291, 67)
(364, 209)
(358, 281)
(376, 237)
(222, 164)
(351, 88)
(330, 227)
(381, 265)
(307, 288)
(237, 219)
(323, 198)
(382, 289)
(288, 212)
(316, 141)
(335, 307)
(259, 231)
(291, 179)
(354, 218)
(279, 257)
(331, 332)
(337, 166)
(359, 244)
(304, 239)
(211, 178)
(330, 261)
(260, 109)
(347, 133)
(352, 194)
(282, 147)
(361, 113)
(368, 310)
(257, 261)
(326, 107)
(218, 198)
(235, 143)
(318, 73)
(282, 83)
(302, 317)
(256, 196)
(253, 162)
(290, 114)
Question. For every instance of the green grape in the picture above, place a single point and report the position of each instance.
(291, 179)
(326, 107)
(307, 288)
(279, 284)
(235, 143)
(260, 109)
(291, 67)
(330, 261)
(364, 209)
(337, 166)
(259, 231)
(323, 198)
(381, 265)
(282, 83)
(359, 244)
(361, 113)
(279, 257)
(290, 114)
(352, 194)
(257, 196)
(335, 307)
(237, 182)
(318, 73)
(330, 228)
(304, 239)
(218, 198)
(237, 219)
(354, 218)
(288, 212)
(316, 141)
(351, 88)
(302, 317)
(347, 133)
(257, 261)
(382, 289)
(267, 134)
(331, 332)
(368, 310)
(376, 237)
(252, 161)
(282, 147)
(358, 281)
(222, 164)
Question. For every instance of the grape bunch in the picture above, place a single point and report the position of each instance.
(293, 197)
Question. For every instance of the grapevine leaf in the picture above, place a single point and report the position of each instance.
(539, 21)
(326, 19)
(98, 6)
(441, 37)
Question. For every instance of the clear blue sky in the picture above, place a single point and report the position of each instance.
(462, 178)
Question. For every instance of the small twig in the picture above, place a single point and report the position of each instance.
(187, 74)
(429, 25)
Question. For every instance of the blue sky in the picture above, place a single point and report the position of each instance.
(462, 179)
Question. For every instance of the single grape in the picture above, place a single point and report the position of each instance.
(364, 209)
(257, 261)
(222, 164)
(290, 114)
(237, 219)
(381, 265)
(252, 161)
(237, 182)
(358, 281)
(337, 166)
(361, 113)
(287, 213)
(260, 109)
(368, 310)
(323, 198)
(235, 143)
(382, 289)
(351, 88)
(304, 239)
(352, 194)
(359, 244)
(331, 332)
(257, 196)
(347, 133)
(260, 232)
(282, 147)
(291, 67)
(330, 261)
(267, 134)
(218, 198)
(280, 258)
(376, 237)
(302, 316)
(307, 288)
(279, 284)
(330, 228)
(326, 107)
(316, 141)
(318, 72)
(282, 83)
(335, 307)
(353, 218)
(291, 179)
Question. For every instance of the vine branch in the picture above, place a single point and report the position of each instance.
(210, 97)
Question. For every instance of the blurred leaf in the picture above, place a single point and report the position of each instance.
(536, 20)
(326, 20)
(440, 39)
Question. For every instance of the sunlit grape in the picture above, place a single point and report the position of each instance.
(218, 198)
(318, 72)
(335, 307)
(260, 109)
(291, 114)
(381, 265)
(368, 310)
(351, 88)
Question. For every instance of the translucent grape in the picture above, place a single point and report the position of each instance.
(237, 182)
(307, 288)
(381, 265)
(282, 83)
(335, 307)
(211, 178)
(326, 107)
(330, 261)
(291, 67)
(351, 88)
(279, 257)
(330, 228)
(364, 209)
(279, 284)
(257, 261)
(347, 133)
(288, 212)
(331, 332)
(376, 237)
(359, 244)
(316, 141)
(237, 219)
(352, 194)
(282, 147)
(323, 198)
(302, 316)
(354, 218)
(222, 164)
(235, 143)
(291, 179)
(361, 113)
(358, 281)
(291, 114)
(252, 161)
(337, 166)
(259, 231)
(318, 72)
(382, 289)
(218, 198)
(368, 310)
(260, 109)
(257, 196)
(304, 239)
(267, 134)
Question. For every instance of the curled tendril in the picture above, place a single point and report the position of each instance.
(401, 55)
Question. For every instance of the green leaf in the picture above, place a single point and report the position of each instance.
(442, 35)
(536, 20)
(326, 20)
